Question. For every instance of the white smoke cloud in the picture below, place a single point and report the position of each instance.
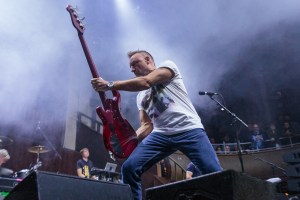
(39, 46)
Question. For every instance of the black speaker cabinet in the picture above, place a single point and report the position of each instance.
(294, 185)
(293, 170)
(292, 157)
(225, 185)
(50, 186)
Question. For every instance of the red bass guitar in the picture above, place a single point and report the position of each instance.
(118, 135)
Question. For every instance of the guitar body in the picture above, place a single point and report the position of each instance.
(118, 135)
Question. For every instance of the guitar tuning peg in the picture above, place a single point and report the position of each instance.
(75, 11)
(82, 25)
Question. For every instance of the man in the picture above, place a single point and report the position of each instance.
(169, 121)
(257, 138)
(273, 133)
(84, 165)
(192, 171)
(4, 157)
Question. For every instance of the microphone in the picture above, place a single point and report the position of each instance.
(208, 93)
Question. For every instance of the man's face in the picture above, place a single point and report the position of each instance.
(272, 127)
(255, 127)
(85, 154)
(139, 64)
(286, 125)
(2, 160)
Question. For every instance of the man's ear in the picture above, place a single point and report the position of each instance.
(147, 58)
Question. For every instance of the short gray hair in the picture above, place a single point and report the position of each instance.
(131, 53)
(4, 154)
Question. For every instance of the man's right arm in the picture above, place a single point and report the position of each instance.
(146, 125)
(79, 173)
(79, 169)
(158, 76)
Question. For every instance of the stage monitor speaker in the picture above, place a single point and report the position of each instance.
(49, 186)
(225, 185)
(292, 157)
(293, 185)
(293, 170)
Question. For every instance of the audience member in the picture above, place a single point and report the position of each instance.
(288, 130)
(273, 134)
(294, 125)
(257, 137)
(227, 149)
(227, 140)
(212, 140)
(219, 150)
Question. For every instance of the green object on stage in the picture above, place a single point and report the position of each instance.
(4, 194)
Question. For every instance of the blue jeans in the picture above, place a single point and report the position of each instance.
(156, 146)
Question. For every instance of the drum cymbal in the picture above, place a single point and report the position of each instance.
(5, 141)
(39, 149)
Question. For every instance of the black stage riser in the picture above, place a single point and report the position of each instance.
(294, 185)
(292, 157)
(50, 186)
(293, 170)
(226, 185)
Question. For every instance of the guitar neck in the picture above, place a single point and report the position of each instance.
(91, 64)
(88, 56)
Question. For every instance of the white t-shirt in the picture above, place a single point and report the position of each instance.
(169, 106)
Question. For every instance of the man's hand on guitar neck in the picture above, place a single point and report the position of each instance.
(100, 84)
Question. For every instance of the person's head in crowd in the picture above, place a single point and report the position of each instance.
(227, 149)
(4, 156)
(286, 125)
(212, 140)
(272, 126)
(219, 149)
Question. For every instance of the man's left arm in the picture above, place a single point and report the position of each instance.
(146, 125)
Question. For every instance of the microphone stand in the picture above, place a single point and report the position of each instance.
(48, 141)
(235, 119)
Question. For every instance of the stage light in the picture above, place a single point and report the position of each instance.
(124, 7)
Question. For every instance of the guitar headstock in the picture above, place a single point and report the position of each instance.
(76, 21)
